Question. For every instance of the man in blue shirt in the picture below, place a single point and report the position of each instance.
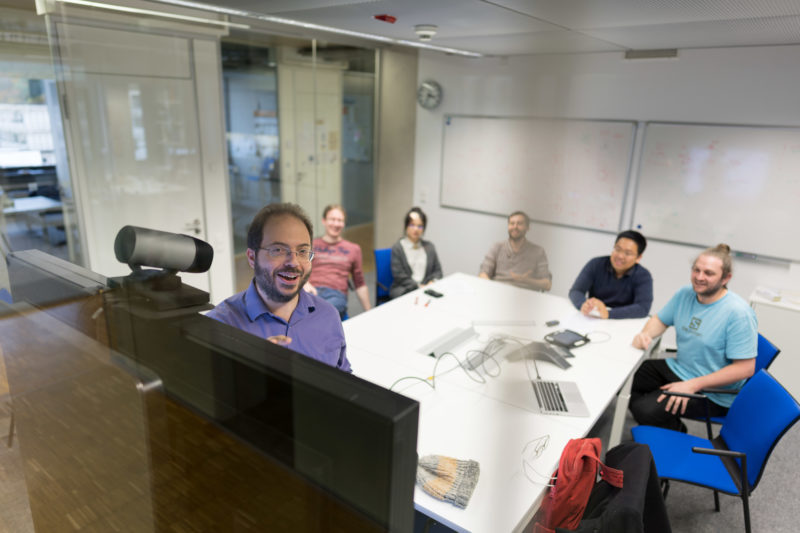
(274, 306)
(717, 338)
(615, 286)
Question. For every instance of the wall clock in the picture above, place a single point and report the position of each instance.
(429, 94)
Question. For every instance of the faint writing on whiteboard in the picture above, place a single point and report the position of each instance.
(737, 183)
(746, 172)
(562, 171)
(695, 170)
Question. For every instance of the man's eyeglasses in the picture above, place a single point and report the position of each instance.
(282, 252)
(626, 253)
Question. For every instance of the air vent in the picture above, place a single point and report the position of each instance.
(651, 54)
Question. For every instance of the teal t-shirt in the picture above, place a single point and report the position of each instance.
(710, 336)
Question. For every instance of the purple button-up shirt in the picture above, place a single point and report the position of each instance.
(314, 327)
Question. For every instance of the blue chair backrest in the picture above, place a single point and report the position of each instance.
(766, 353)
(383, 272)
(761, 413)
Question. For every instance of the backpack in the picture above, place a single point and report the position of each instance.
(575, 477)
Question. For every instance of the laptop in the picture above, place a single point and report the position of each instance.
(563, 397)
(556, 397)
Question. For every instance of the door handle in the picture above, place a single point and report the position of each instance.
(193, 226)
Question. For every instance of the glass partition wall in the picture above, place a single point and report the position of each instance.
(189, 128)
(299, 128)
(250, 90)
(36, 200)
(142, 123)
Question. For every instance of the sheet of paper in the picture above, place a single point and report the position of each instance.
(580, 323)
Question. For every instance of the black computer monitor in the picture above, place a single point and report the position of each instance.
(344, 446)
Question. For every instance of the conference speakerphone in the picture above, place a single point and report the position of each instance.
(566, 338)
(547, 352)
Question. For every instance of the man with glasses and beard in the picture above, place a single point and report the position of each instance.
(717, 338)
(274, 307)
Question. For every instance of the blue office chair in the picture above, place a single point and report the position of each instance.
(734, 461)
(766, 354)
(383, 275)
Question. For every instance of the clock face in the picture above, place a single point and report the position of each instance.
(429, 94)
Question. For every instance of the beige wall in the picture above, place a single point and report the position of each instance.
(394, 179)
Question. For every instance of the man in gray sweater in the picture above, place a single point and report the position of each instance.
(517, 260)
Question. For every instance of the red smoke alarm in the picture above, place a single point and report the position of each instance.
(385, 18)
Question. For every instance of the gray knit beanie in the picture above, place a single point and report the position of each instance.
(448, 479)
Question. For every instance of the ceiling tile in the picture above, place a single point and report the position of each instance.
(705, 34)
(584, 14)
(549, 42)
(273, 7)
(455, 18)
(511, 27)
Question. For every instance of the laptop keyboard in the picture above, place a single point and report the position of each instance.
(548, 394)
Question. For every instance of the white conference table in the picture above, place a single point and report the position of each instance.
(491, 422)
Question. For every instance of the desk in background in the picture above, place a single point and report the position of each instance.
(37, 210)
(22, 180)
(490, 422)
(30, 204)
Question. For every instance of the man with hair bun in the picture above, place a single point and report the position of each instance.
(616, 285)
(717, 337)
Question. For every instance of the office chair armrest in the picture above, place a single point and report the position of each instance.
(720, 391)
(744, 487)
(720, 453)
(706, 402)
(685, 395)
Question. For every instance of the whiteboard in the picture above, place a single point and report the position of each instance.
(570, 172)
(706, 184)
